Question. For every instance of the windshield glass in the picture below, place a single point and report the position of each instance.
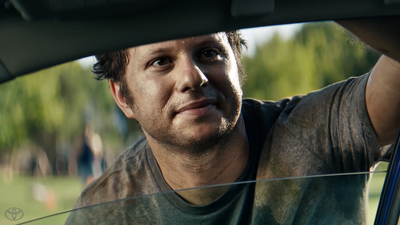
(61, 129)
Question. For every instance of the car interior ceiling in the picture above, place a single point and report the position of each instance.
(68, 30)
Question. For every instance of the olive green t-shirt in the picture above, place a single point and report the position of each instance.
(292, 143)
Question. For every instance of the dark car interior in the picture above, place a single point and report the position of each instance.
(69, 30)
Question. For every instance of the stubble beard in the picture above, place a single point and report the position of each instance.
(227, 131)
(180, 143)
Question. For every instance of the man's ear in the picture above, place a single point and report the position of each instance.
(120, 100)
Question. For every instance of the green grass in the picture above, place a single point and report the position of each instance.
(18, 193)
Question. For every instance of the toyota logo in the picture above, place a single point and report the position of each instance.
(14, 214)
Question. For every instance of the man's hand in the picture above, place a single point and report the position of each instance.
(383, 88)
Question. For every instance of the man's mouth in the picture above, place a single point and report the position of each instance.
(197, 108)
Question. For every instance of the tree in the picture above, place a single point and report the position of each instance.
(51, 106)
(317, 55)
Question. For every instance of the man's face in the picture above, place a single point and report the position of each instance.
(185, 93)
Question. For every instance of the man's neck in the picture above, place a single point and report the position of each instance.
(221, 164)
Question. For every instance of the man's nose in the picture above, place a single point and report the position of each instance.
(190, 76)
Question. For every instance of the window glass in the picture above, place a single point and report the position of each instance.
(48, 120)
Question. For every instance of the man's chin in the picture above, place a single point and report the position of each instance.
(201, 143)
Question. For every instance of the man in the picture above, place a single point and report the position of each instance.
(186, 96)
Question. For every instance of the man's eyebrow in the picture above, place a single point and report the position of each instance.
(210, 42)
(158, 50)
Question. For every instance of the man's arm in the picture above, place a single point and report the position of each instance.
(383, 88)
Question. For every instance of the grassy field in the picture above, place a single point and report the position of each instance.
(63, 191)
(60, 192)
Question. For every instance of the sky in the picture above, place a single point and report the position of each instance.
(253, 36)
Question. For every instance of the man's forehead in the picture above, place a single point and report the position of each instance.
(215, 37)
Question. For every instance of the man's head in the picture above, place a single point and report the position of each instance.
(184, 92)
(112, 65)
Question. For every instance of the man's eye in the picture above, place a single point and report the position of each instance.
(161, 62)
(209, 53)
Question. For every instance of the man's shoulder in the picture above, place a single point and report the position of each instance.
(119, 180)
(264, 112)
(260, 117)
(263, 104)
